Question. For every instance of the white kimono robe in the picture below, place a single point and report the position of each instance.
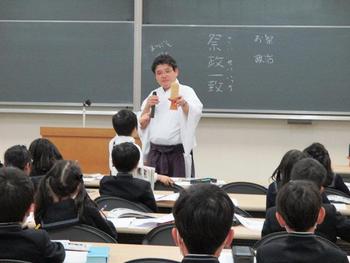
(173, 123)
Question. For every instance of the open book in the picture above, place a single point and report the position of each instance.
(126, 212)
(146, 173)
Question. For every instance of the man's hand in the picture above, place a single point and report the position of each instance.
(145, 119)
(165, 179)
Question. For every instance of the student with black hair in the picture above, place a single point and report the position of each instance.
(320, 153)
(125, 158)
(299, 210)
(203, 218)
(281, 175)
(334, 224)
(61, 199)
(18, 156)
(15, 203)
(125, 126)
(44, 154)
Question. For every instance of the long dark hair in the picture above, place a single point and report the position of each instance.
(281, 175)
(318, 152)
(63, 179)
(44, 154)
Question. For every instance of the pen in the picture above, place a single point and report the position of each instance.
(37, 226)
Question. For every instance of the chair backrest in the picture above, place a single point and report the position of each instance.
(278, 235)
(80, 232)
(160, 235)
(151, 260)
(332, 191)
(159, 186)
(13, 261)
(111, 202)
(244, 188)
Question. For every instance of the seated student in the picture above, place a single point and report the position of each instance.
(203, 218)
(62, 199)
(17, 243)
(18, 156)
(44, 154)
(334, 224)
(125, 157)
(320, 153)
(299, 210)
(125, 125)
(281, 175)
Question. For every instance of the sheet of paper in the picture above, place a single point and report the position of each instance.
(121, 222)
(226, 256)
(171, 197)
(340, 206)
(150, 222)
(75, 257)
(250, 223)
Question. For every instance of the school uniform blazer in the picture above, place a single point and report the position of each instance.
(301, 248)
(28, 245)
(125, 186)
(66, 210)
(194, 258)
(334, 224)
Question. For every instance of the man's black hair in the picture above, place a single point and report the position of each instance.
(124, 122)
(17, 193)
(17, 156)
(299, 203)
(203, 216)
(309, 169)
(163, 59)
(125, 157)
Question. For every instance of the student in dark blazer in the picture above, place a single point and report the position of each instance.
(299, 210)
(62, 199)
(15, 203)
(281, 175)
(334, 224)
(203, 218)
(320, 153)
(125, 157)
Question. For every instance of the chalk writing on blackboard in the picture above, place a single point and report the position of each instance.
(164, 44)
(220, 68)
(264, 40)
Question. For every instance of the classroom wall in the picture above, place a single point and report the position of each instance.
(230, 149)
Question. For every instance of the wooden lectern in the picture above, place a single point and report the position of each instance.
(89, 146)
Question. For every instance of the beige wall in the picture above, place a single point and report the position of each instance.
(231, 149)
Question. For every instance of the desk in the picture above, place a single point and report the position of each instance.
(124, 252)
(253, 203)
(341, 169)
(87, 145)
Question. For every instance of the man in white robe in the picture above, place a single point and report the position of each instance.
(169, 137)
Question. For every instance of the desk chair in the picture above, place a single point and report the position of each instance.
(244, 188)
(81, 232)
(13, 261)
(278, 235)
(332, 191)
(111, 202)
(151, 260)
(159, 186)
(160, 235)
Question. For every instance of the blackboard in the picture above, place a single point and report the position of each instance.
(66, 51)
(255, 56)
